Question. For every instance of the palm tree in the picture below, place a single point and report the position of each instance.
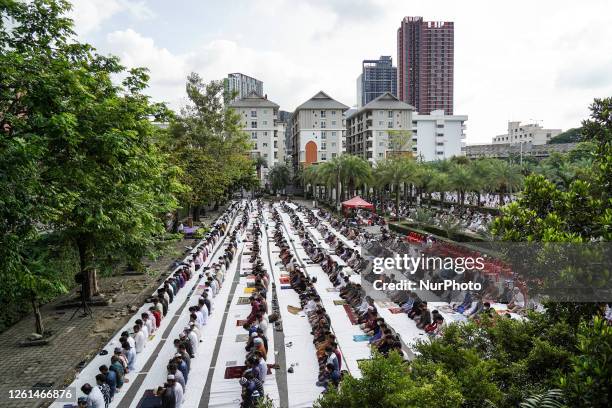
(462, 180)
(506, 178)
(443, 167)
(279, 177)
(395, 171)
(354, 172)
(311, 176)
(548, 399)
(260, 163)
(327, 175)
(482, 171)
(440, 183)
(333, 171)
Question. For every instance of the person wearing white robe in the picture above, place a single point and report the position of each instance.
(139, 338)
(193, 338)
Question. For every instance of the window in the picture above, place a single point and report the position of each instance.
(275, 144)
(255, 146)
(253, 113)
(333, 123)
(254, 125)
(440, 126)
(265, 155)
(323, 135)
(323, 125)
(276, 155)
(322, 114)
(323, 156)
(380, 154)
(390, 125)
(265, 145)
(440, 144)
(265, 122)
(390, 114)
(334, 155)
(333, 113)
(333, 134)
(323, 146)
(254, 135)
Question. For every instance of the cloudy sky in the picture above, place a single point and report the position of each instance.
(514, 60)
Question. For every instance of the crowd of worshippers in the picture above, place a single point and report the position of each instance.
(489, 200)
(186, 345)
(114, 375)
(361, 216)
(347, 227)
(256, 367)
(328, 353)
(331, 239)
(468, 218)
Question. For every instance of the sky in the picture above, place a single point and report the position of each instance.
(526, 60)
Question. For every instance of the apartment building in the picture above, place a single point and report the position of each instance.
(438, 136)
(317, 130)
(374, 131)
(259, 119)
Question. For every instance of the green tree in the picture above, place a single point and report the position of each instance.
(386, 382)
(573, 135)
(279, 177)
(588, 383)
(208, 142)
(400, 141)
(506, 178)
(396, 172)
(84, 149)
(354, 172)
(462, 180)
(260, 163)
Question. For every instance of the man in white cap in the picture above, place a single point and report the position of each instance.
(177, 388)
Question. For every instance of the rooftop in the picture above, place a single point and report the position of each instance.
(253, 99)
(384, 101)
(322, 101)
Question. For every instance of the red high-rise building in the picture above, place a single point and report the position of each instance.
(425, 67)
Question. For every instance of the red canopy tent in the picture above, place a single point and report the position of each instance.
(357, 202)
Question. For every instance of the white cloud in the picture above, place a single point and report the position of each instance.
(89, 15)
(214, 60)
(515, 60)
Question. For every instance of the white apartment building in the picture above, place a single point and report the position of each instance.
(317, 130)
(529, 133)
(259, 119)
(372, 130)
(438, 136)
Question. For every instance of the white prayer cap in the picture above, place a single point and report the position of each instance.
(170, 377)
